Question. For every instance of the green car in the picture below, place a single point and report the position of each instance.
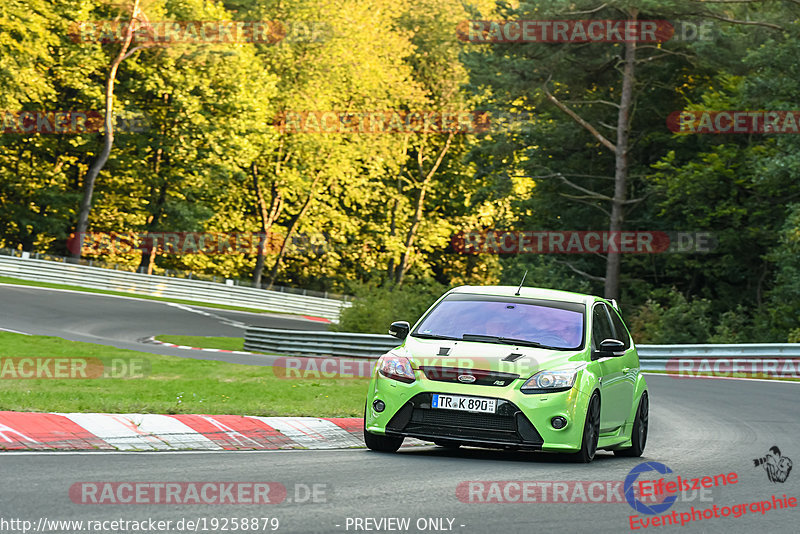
(513, 368)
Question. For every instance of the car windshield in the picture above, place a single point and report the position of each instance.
(508, 320)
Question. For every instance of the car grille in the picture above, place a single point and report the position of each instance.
(480, 377)
(485, 421)
(507, 427)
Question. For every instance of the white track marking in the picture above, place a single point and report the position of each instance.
(8, 430)
(224, 320)
(14, 331)
(154, 341)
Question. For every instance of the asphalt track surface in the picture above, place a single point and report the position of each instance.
(698, 427)
(124, 322)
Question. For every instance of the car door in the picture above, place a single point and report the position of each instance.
(612, 383)
(630, 362)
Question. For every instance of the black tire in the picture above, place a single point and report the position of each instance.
(591, 431)
(379, 443)
(639, 433)
(448, 444)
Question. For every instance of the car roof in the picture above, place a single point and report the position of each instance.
(526, 292)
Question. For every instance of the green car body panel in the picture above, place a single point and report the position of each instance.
(616, 379)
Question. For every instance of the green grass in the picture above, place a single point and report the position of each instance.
(20, 282)
(225, 343)
(170, 385)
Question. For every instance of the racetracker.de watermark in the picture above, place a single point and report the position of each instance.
(444, 368)
(211, 243)
(554, 492)
(207, 493)
(68, 122)
(772, 368)
(72, 368)
(734, 122)
(564, 31)
(297, 368)
(382, 122)
(166, 32)
(580, 242)
(176, 243)
(581, 31)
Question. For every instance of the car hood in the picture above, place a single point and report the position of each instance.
(486, 356)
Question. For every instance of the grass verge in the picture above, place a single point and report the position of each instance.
(21, 282)
(167, 384)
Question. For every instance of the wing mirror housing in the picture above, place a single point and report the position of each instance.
(399, 329)
(609, 348)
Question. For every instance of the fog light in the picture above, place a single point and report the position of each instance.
(379, 406)
(558, 422)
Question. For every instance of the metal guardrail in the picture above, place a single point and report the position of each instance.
(173, 288)
(172, 273)
(656, 357)
(310, 343)
(651, 357)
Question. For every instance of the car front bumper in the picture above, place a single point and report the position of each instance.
(521, 421)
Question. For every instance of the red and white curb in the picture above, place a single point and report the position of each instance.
(154, 341)
(317, 319)
(153, 432)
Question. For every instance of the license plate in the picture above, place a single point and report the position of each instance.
(465, 404)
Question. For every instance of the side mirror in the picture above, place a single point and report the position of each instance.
(610, 347)
(399, 329)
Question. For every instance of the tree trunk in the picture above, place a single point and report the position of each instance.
(148, 259)
(108, 138)
(267, 218)
(149, 256)
(613, 261)
(393, 231)
(390, 266)
(293, 223)
(402, 267)
(151, 259)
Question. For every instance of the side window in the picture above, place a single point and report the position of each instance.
(601, 327)
(619, 329)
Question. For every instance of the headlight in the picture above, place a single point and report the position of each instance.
(397, 368)
(550, 381)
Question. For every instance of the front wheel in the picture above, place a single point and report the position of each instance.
(591, 431)
(639, 433)
(379, 443)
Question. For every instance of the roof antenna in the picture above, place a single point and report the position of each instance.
(520, 284)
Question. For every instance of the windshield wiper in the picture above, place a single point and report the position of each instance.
(480, 337)
(507, 341)
(434, 336)
(528, 343)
